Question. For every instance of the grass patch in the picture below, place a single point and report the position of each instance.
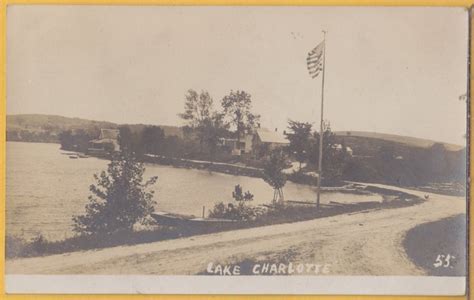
(428, 246)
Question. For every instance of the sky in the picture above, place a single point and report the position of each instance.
(388, 70)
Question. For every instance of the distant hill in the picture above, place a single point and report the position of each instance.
(401, 160)
(46, 128)
(37, 122)
(409, 141)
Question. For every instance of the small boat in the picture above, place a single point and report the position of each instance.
(80, 155)
(73, 157)
(192, 222)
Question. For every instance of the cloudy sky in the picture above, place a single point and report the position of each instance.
(390, 70)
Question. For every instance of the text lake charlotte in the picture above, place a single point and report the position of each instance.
(269, 269)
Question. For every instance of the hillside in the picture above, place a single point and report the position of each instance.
(409, 141)
(36, 122)
(405, 161)
(46, 128)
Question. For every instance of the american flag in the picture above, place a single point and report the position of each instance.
(315, 60)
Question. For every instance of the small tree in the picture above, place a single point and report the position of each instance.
(119, 198)
(240, 196)
(273, 175)
(298, 135)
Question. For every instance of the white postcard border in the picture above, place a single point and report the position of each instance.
(150, 284)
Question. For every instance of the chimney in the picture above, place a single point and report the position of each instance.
(276, 129)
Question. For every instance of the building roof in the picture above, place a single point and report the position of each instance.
(109, 134)
(268, 136)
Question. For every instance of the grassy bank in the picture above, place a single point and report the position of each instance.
(439, 247)
(219, 167)
(292, 212)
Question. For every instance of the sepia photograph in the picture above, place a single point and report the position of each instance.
(236, 150)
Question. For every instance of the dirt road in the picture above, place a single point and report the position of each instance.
(363, 243)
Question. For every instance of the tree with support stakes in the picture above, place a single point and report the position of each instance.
(273, 175)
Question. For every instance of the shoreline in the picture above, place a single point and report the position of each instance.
(218, 167)
(234, 169)
(293, 212)
(361, 237)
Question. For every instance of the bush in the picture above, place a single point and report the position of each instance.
(120, 198)
(239, 212)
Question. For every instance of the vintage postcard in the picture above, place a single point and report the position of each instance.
(236, 150)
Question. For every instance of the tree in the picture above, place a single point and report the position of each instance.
(334, 158)
(198, 112)
(273, 175)
(119, 198)
(237, 108)
(125, 138)
(66, 140)
(299, 135)
(329, 150)
(153, 138)
(77, 140)
(197, 108)
(131, 141)
(213, 129)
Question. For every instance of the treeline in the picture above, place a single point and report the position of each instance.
(374, 160)
(205, 124)
(31, 136)
(78, 140)
(152, 140)
(398, 164)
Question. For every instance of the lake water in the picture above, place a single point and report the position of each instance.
(45, 188)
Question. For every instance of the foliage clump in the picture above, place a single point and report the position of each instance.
(239, 212)
(120, 198)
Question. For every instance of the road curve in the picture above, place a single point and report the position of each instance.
(362, 243)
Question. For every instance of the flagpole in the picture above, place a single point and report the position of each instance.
(321, 128)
